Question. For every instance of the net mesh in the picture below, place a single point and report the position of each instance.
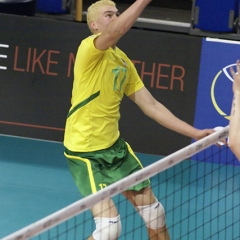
(198, 187)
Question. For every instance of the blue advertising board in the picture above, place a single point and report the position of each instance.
(214, 96)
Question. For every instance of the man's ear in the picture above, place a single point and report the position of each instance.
(94, 26)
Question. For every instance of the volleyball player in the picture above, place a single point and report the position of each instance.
(96, 153)
(234, 126)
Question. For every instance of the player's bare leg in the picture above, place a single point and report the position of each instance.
(158, 234)
(143, 198)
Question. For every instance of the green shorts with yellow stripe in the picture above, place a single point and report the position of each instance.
(95, 170)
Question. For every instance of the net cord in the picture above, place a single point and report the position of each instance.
(86, 203)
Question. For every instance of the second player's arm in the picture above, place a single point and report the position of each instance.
(234, 131)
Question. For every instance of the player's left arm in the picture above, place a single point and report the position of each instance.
(158, 112)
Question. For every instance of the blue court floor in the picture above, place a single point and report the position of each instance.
(35, 182)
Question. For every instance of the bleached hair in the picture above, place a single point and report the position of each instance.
(92, 11)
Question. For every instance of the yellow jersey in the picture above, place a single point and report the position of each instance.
(101, 78)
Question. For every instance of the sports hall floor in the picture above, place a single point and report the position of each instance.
(35, 182)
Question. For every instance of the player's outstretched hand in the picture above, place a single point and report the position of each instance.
(205, 132)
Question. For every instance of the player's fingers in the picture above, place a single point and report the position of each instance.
(232, 72)
(238, 66)
(221, 143)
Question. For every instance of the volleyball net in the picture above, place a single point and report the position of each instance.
(199, 192)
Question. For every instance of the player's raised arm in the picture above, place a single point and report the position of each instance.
(234, 129)
(111, 24)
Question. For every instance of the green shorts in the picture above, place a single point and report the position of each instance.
(93, 171)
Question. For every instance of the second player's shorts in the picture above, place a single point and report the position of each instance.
(93, 171)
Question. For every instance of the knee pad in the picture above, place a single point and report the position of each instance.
(153, 215)
(107, 228)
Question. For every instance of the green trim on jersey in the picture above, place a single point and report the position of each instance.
(83, 103)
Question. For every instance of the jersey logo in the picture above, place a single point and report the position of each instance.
(125, 64)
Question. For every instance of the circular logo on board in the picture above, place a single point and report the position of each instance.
(221, 91)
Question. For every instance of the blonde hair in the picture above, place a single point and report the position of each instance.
(92, 11)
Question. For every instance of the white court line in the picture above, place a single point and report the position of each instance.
(3, 68)
(222, 41)
(3, 56)
(28, 138)
(4, 45)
